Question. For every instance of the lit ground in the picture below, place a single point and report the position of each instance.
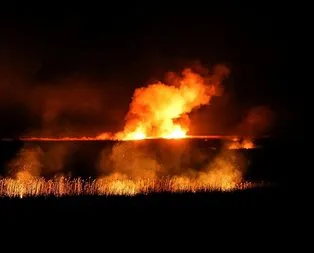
(110, 187)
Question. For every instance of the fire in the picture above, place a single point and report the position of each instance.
(138, 134)
(177, 133)
(111, 186)
(103, 136)
(248, 144)
(245, 144)
(161, 110)
(24, 176)
(133, 171)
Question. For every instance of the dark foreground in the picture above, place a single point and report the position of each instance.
(235, 214)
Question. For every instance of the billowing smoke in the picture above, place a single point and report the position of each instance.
(71, 107)
(63, 109)
(139, 161)
(27, 164)
(32, 161)
(161, 110)
(257, 122)
(158, 110)
(130, 159)
(55, 158)
(225, 170)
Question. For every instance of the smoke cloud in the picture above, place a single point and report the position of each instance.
(138, 161)
(257, 122)
(27, 164)
(32, 161)
(161, 110)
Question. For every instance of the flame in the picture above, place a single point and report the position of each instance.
(103, 136)
(138, 134)
(248, 144)
(161, 110)
(24, 176)
(114, 185)
(177, 133)
(134, 171)
(245, 144)
(157, 111)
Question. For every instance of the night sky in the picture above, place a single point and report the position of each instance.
(72, 69)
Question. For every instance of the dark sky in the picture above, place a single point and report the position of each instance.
(73, 68)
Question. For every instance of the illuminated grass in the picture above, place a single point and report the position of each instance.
(109, 186)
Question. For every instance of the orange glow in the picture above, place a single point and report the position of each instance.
(248, 144)
(24, 176)
(161, 110)
(235, 139)
(114, 185)
(63, 138)
(103, 136)
(158, 110)
(245, 144)
(177, 133)
(138, 134)
(133, 171)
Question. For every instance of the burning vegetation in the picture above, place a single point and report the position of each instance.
(157, 111)
(238, 144)
(161, 110)
(62, 186)
(128, 168)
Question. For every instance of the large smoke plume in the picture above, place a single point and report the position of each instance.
(135, 160)
(159, 110)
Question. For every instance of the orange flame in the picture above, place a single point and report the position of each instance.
(176, 133)
(245, 144)
(62, 186)
(161, 111)
(134, 171)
